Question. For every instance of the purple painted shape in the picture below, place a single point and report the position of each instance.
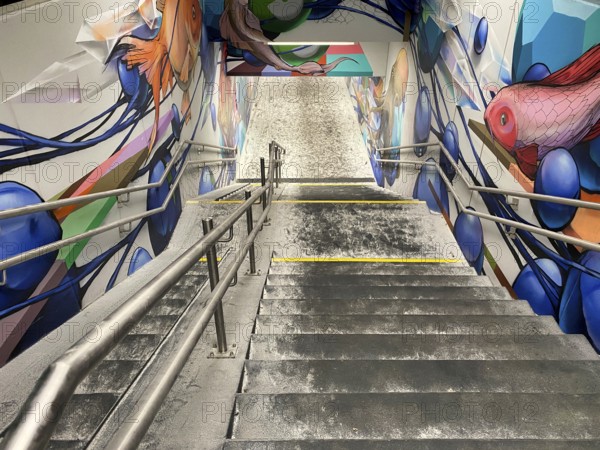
(141, 141)
(14, 326)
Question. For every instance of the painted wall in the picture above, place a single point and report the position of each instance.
(301, 37)
(528, 74)
(96, 97)
(384, 107)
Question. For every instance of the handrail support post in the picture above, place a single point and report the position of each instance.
(213, 276)
(250, 225)
(263, 182)
(277, 166)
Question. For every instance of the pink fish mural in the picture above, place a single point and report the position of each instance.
(530, 119)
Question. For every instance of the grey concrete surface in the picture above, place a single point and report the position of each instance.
(420, 347)
(329, 377)
(417, 416)
(376, 280)
(368, 230)
(353, 268)
(490, 325)
(415, 444)
(439, 307)
(383, 292)
(313, 119)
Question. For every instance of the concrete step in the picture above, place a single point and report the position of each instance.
(223, 192)
(169, 307)
(397, 307)
(80, 419)
(519, 326)
(322, 231)
(155, 324)
(236, 193)
(329, 377)
(419, 444)
(135, 347)
(359, 268)
(337, 192)
(417, 416)
(190, 283)
(376, 280)
(304, 180)
(389, 292)
(99, 392)
(420, 347)
(112, 377)
(199, 270)
(66, 445)
(186, 291)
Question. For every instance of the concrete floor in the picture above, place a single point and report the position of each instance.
(314, 120)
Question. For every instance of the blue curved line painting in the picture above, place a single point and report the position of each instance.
(537, 120)
(158, 60)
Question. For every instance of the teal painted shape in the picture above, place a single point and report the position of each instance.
(554, 32)
(360, 68)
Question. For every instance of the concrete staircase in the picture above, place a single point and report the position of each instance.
(99, 393)
(357, 355)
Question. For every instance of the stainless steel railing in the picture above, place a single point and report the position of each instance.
(55, 204)
(511, 223)
(491, 190)
(51, 205)
(59, 381)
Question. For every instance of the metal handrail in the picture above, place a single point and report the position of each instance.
(281, 147)
(518, 225)
(212, 161)
(403, 147)
(38, 251)
(497, 191)
(528, 195)
(55, 204)
(205, 146)
(59, 381)
(42, 250)
(131, 433)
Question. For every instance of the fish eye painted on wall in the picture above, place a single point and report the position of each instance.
(538, 118)
(166, 73)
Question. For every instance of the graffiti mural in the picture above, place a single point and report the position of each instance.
(166, 77)
(530, 125)
(253, 30)
(556, 111)
(381, 114)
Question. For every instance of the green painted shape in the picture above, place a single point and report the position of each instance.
(79, 221)
(591, 34)
(489, 257)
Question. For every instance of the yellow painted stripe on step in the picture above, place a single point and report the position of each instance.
(333, 184)
(203, 259)
(359, 202)
(225, 201)
(216, 202)
(369, 260)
